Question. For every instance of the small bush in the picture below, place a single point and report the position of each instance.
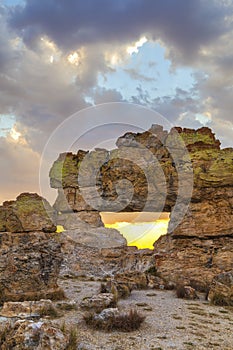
(152, 271)
(58, 295)
(3, 333)
(50, 311)
(73, 340)
(67, 307)
(125, 322)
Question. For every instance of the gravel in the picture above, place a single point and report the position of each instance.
(171, 323)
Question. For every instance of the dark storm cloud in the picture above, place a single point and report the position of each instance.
(187, 24)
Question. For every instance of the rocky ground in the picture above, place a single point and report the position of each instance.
(171, 323)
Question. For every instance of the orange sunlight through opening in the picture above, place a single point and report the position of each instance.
(139, 229)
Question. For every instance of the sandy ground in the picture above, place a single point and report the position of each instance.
(170, 323)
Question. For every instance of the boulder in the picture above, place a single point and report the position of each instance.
(80, 220)
(186, 292)
(99, 237)
(134, 279)
(191, 260)
(107, 314)
(29, 266)
(29, 335)
(221, 289)
(119, 289)
(26, 308)
(28, 213)
(99, 302)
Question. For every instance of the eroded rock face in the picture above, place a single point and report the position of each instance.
(87, 260)
(29, 266)
(221, 289)
(193, 260)
(25, 308)
(99, 237)
(34, 336)
(156, 163)
(28, 213)
(30, 251)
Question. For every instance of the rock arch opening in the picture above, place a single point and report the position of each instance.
(140, 229)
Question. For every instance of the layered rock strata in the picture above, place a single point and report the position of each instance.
(30, 250)
(182, 171)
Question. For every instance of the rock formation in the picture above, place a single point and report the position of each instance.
(167, 171)
(28, 213)
(30, 250)
(221, 289)
(31, 335)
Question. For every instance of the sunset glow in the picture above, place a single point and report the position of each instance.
(15, 134)
(142, 235)
(139, 229)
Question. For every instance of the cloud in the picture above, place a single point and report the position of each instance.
(19, 168)
(52, 53)
(185, 24)
(134, 74)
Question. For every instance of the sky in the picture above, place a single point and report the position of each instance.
(59, 57)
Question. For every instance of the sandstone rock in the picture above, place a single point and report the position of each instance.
(118, 288)
(80, 220)
(29, 266)
(98, 302)
(78, 259)
(212, 169)
(221, 289)
(106, 314)
(34, 336)
(134, 279)
(28, 213)
(99, 237)
(64, 170)
(192, 260)
(86, 346)
(186, 292)
(25, 309)
(200, 241)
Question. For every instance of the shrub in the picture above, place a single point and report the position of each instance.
(73, 340)
(3, 333)
(49, 310)
(125, 322)
(152, 271)
(67, 306)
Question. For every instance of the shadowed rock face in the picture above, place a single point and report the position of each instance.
(164, 176)
(30, 251)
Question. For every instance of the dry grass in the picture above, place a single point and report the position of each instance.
(125, 322)
(49, 310)
(73, 340)
(3, 333)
